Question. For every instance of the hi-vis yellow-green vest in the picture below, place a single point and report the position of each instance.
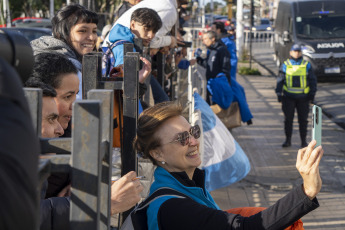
(296, 78)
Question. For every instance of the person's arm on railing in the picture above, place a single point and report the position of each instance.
(125, 193)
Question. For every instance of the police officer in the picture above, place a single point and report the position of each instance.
(296, 88)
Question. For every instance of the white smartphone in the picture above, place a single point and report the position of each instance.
(317, 125)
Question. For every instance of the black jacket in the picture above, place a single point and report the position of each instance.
(19, 148)
(187, 214)
(54, 211)
(217, 61)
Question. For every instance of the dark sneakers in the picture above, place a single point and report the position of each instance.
(286, 144)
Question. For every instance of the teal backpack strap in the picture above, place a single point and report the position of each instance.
(137, 219)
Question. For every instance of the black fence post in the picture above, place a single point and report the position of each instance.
(130, 112)
(160, 68)
(127, 47)
(130, 116)
(91, 72)
(147, 95)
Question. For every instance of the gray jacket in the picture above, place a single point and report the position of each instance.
(49, 44)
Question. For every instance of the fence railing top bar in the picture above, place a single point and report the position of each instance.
(58, 163)
(56, 145)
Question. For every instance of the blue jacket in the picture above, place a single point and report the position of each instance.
(231, 46)
(311, 80)
(240, 97)
(220, 90)
(224, 96)
(120, 32)
(164, 179)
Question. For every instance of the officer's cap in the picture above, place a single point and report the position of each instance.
(296, 47)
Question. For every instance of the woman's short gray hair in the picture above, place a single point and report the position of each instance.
(211, 34)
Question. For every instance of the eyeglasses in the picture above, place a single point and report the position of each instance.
(184, 137)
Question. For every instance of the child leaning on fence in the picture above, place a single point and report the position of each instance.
(144, 24)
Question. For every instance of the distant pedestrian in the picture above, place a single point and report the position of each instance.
(124, 6)
(296, 88)
(229, 42)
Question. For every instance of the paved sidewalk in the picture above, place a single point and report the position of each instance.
(273, 172)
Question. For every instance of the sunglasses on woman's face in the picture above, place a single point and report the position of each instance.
(184, 137)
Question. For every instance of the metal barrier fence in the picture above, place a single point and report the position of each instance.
(259, 38)
(88, 154)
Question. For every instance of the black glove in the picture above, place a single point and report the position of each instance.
(311, 98)
(280, 98)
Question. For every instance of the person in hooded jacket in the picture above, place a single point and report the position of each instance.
(238, 90)
(228, 40)
(217, 60)
(74, 31)
(74, 34)
(145, 23)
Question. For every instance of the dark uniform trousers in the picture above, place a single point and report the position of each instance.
(288, 106)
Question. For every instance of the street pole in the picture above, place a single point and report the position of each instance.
(251, 30)
(212, 11)
(239, 28)
(203, 16)
(230, 2)
(7, 14)
(51, 9)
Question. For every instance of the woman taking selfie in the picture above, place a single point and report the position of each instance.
(171, 143)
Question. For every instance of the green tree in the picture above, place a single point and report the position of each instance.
(29, 8)
(217, 6)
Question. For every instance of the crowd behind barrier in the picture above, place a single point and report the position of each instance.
(90, 198)
(92, 133)
(92, 119)
(88, 154)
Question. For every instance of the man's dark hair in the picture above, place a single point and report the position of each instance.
(220, 25)
(148, 18)
(69, 16)
(49, 69)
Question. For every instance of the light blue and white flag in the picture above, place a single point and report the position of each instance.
(223, 158)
